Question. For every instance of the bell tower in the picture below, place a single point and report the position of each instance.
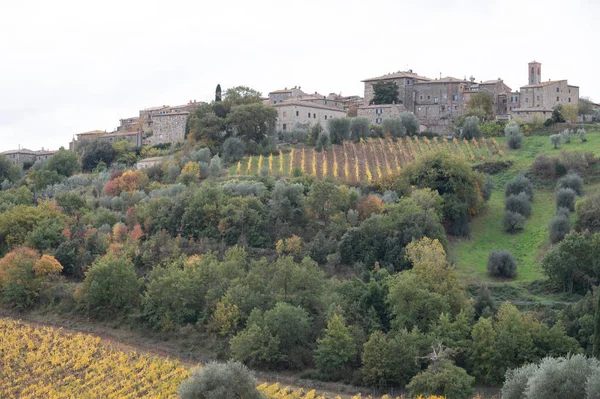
(535, 73)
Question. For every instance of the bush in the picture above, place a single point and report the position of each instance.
(394, 127)
(215, 168)
(565, 198)
(555, 140)
(513, 134)
(516, 379)
(323, 141)
(519, 184)
(470, 129)
(513, 222)
(561, 211)
(558, 228)
(233, 149)
(492, 167)
(488, 188)
(410, 122)
(359, 128)
(588, 213)
(566, 136)
(545, 167)
(339, 129)
(110, 286)
(220, 381)
(572, 181)
(18, 285)
(449, 381)
(502, 263)
(519, 204)
(203, 154)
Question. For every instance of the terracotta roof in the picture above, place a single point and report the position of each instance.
(91, 132)
(306, 104)
(171, 114)
(447, 79)
(543, 84)
(397, 75)
(491, 82)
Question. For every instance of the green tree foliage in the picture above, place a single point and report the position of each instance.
(573, 264)
(588, 213)
(470, 129)
(555, 140)
(205, 126)
(241, 95)
(125, 152)
(481, 354)
(572, 181)
(519, 184)
(516, 381)
(456, 182)
(596, 346)
(558, 228)
(323, 141)
(15, 196)
(449, 380)
(393, 127)
(325, 199)
(502, 263)
(218, 93)
(565, 198)
(518, 203)
(314, 133)
(252, 122)
(110, 286)
(220, 381)
(390, 359)
(481, 105)
(19, 286)
(513, 222)
(71, 203)
(385, 92)
(513, 135)
(336, 350)
(8, 170)
(410, 122)
(359, 128)
(557, 115)
(95, 152)
(64, 162)
(339, 129)
(233, 150)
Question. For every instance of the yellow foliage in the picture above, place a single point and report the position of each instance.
(46, 265)
(190, 168)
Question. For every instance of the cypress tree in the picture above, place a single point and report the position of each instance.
(218, 93)
(596, 349)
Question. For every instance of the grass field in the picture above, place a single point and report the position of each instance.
(530, 245)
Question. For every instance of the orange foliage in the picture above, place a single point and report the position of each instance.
(371, 205)
(47, 265)
(19, 257)
(136, 233)
(119, 232)
(129, 181)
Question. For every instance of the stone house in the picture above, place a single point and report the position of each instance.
(293, 112)
(148, 117)
(167, 128)
(405, 81)
(23, 155)
(134, 137)
(377, 113)
(277, 96)
(149, 162)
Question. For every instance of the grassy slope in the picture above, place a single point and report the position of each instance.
(530, 245)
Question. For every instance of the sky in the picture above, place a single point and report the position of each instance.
(73, 66)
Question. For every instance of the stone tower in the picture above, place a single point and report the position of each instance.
(535, 73)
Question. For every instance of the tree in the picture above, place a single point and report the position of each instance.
(95, 152)
(513, 221)
(241, 95)
(385, 92)
(572, 181)
(470, 129)
(513, 134)
(570, 113)
(558, 228)
(557, 115)
(588, 213)
(218, 93)
(481, 354)
(47, 265)
(596, 348)
(410, 122)
(359, 128)
(19, 286)
(565, 198)
(216, 167)
(253, 121)
(314, 133)
(206, 126)
(325, 199)
(519, 203)
(323, 141)
(501, 263)
(393, 127)
(339, 129)
(110, 286)
(64, 162)
(233, 149)
(448, 380)
(519, 184)
(555, 140)
(8, 170)
(336, 349)
(220, 381)
(481, 105)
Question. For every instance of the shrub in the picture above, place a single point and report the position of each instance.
(519, 204)
(561, 211)
(410, 122)
(513, 222)
(470, 129)
(47, 265)
(513, 134)
(110, 286)
(516, 379)
(558, 228)
(233, 150)
(202, 155)
(519, 184)
(572, 181)
(220, 381)
(566, 136)
(339, 129)
(215, 168)
(544, 167)
(555, 140)
(581, 135)
(394, 127)
(488, 188)
(18, 285)
(492, 167)
(449, 381)
(502, 263)
(565, 198)
(323, 141)
(588, 213)
(359, 128)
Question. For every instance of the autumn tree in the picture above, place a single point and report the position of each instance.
(46, 265)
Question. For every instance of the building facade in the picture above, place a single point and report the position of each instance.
(167, 128)
(23, 155)
(405, 81)
(278, 96)
(292, 113)
(377, 113)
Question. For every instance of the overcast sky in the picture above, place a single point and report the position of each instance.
(73, 66)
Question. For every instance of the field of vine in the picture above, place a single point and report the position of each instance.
(365, 161)
(45, 362)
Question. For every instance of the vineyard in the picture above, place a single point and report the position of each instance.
(44, 362)
(364, 161)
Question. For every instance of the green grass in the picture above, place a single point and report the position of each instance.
(530, 245)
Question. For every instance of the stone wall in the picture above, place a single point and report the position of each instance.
(440, 100)
(305, 113)
(548, 95)
(168, 128)
(377, 113)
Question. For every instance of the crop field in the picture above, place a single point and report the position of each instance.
(364, 161)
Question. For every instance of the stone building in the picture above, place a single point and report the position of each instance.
(149, 162)
(167, 128)
(294, 112)
(377, 113)
(23, 155)
(405, 81)
(134, 137)
(537, 99)
(277, 96)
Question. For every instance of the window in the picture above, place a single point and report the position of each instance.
(455, 97)
(538, 98)
(527, 100)
(557, 99)
(419, 108)
(378, 121)
(325, 117)
(456, 107)
(420, 97)
(378, 111)
(557, 89)
(297, 113)
(309, 114)
(429, 97)
(315, 115)
(284, 126)
(443, 107)
(569, 99)
(445, 96)
(435, 100)
(284, 114)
